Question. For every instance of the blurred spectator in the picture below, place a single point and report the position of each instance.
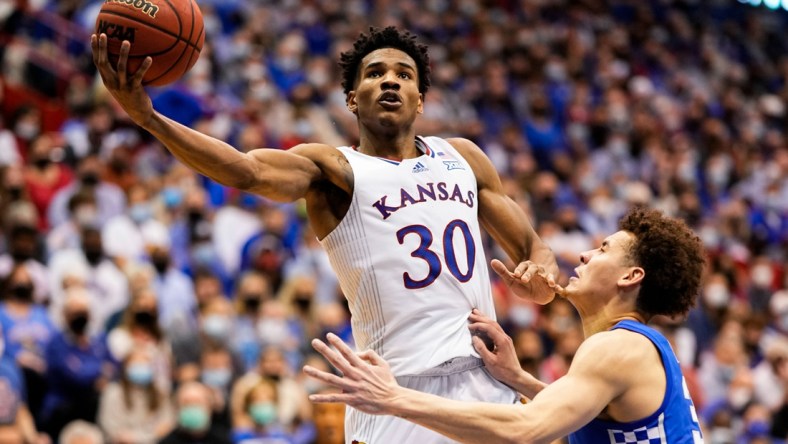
(771, 385)
(23, 247)
(125, 236)
(139, 329)
(81, 432)
(79, 367)
(329, 421)
(134, 410)
(27, 331)
(177, 304)
(293, 406)
(92, 269)
(110, 200)
(260, 418)
(253, 290)
(193, 403)
(16, 422)
(82, 212)
(45, 174)
(720, 365)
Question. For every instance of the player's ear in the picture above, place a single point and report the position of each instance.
(352, 106)
(634, 276)
(420, 108)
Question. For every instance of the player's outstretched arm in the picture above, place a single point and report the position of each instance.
(561, 408)
(279, 175)
(508, 224)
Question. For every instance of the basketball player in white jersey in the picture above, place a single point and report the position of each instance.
(399, 216)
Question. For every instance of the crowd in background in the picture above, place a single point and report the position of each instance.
(144, 303)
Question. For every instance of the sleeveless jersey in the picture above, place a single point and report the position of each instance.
(675, 422)
(409, 257)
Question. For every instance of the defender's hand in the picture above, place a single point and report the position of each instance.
(501, 361)
(529, 280)
(367, 382)
(127, 90)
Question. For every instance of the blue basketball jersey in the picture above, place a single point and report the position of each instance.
(675, 422)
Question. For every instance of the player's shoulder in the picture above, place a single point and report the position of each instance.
(615, 349)
(464, 146)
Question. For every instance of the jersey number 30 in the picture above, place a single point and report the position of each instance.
(432, 259)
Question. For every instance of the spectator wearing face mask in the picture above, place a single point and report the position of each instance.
(82, 211)
(22, 247)
(260, 420)
(45, 175)
(177, 303)
(216, 323)
(79, 367)
(16, 422)
(28, 330)
(109, 285)
(139, 329)
(293, 407)
(133, 410)
(253, 289)
(218, 373)
(195, 426)
(110, 199)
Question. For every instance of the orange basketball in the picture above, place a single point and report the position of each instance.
(169, 31)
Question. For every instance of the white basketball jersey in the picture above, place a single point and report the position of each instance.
(409, 257)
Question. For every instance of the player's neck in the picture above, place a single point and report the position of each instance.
(604, 318)
(396, 146)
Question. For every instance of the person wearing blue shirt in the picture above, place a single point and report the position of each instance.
(16, 422)
(624, 385)
(79, 366)
(27, 330)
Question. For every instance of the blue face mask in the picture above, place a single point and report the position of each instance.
(140, 374)
(193, 418)
(216, 378)
(263, 413)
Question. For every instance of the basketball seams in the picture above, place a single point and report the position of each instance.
(188, 42)
(149, 25)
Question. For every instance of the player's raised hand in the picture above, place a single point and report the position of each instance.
(126, 89)
(529, 280)
(366, 378)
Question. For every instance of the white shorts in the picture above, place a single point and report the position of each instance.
(463, 379)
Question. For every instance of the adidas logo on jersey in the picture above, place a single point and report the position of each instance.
(419, 167)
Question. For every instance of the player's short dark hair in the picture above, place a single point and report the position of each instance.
(672, 257)
(378, 38)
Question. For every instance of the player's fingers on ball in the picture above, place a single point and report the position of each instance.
(94, 48)
(146, 64)
(123, 59)
(102, 47)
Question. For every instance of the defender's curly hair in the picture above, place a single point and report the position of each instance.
(379, 38)
(672, 257)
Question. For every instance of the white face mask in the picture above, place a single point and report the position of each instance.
(716, 295)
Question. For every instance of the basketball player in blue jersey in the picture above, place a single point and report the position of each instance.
(624, 384)
(399, 216)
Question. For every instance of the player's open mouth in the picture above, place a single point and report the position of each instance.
(390, 100)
